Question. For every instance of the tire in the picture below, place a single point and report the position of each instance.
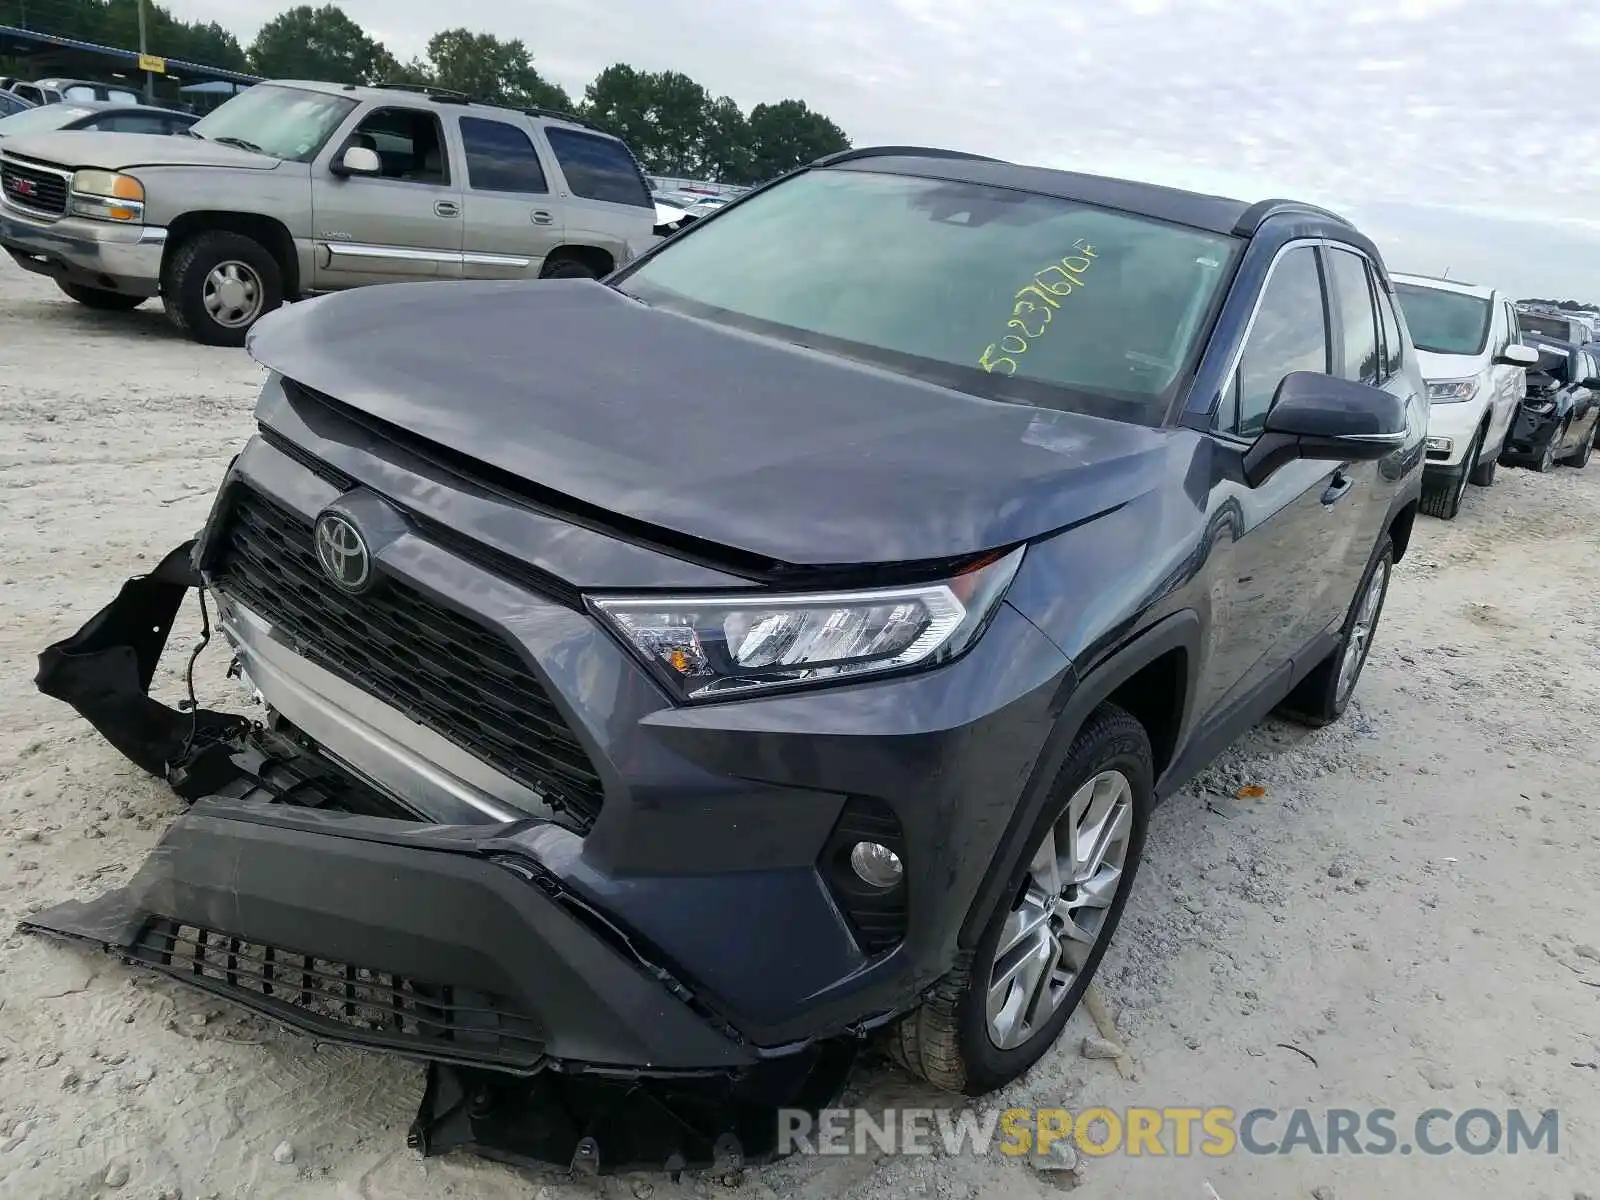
(1579, 458)
(950, 1041)
(1322, 696)
(100, 299)
(213, 315)
(1482, 475)
(568, 268)
(1547, 457)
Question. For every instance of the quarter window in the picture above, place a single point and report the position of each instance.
(1393, 342)
(500, 157)
(1359, 361)
(1290, 333)
(599, 168)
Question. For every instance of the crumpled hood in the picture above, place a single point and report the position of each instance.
(1448, 366)
(125, 151)
(705, 431)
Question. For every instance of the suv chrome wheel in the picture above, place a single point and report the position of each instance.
(1359, 640)
(1058, 918)
(233, 294)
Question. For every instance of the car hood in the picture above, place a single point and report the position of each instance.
(125, 151)
(1448, 366)
(714, 434)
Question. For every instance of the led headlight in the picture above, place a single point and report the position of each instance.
(711, 647)
(107, 196)
(1452, 391)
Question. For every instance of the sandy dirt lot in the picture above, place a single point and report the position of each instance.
(1406, 919)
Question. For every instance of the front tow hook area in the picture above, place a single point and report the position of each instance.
(549, 1036)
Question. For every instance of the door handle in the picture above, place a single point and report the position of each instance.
(446, 208)
(1336, 490)
(540, 217)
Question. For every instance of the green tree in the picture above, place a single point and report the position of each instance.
(787, 135)
(728, 154)
(484, 67)
(318, 43)
(664, 116)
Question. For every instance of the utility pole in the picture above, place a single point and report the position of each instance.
(149, 76)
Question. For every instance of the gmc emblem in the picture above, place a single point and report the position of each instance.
(23, 187)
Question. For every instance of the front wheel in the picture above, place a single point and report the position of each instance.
(1579, 458)
(1547, 456)
(1322, 696)
(1482, 475)
(100, 299)
(997, 1014)
(1441, 495)
(568, 268)
(218, 284)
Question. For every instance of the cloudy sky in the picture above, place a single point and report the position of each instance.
(1450, 129)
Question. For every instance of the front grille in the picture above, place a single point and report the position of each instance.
(344, 1000)
(441, 669)
(33, 187)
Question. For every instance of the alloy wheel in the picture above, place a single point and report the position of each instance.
(1057, 920)
(1359, 642)
(233, 294)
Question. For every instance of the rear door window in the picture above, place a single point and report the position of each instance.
(1358, 322)
(598, 168)
(1393, 342)
(501, 157)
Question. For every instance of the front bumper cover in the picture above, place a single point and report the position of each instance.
(97, 254)
(549, 1035)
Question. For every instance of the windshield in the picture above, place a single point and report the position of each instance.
(287, 123)
(1444, 322)
(1556, 327)
(1002, 293)
(36, 120)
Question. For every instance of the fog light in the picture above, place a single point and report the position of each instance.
(1440, 443)
(876, 865)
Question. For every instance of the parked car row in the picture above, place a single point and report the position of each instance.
(106, 116)
(54, 91)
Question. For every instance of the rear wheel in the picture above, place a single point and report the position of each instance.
(1005, 1005)
(1322, 696)
(101, 298)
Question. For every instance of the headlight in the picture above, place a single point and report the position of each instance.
(107, 196)
(712, 647)
(1452, 391)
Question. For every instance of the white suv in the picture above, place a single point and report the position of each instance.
(1476, 370)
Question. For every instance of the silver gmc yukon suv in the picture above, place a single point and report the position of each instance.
(293, 188)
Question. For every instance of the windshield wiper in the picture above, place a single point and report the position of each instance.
(192, 133)
(241, 143)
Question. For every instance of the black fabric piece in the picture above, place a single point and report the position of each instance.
(105, 669)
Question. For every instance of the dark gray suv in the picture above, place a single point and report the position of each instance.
(785, 638)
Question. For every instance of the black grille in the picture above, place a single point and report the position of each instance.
(438, 667)
(34, 187)
(343, 1000)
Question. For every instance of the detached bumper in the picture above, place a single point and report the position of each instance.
(1531, 433)
(447, 943)
(91, 253)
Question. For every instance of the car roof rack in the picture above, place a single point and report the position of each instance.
(446, 95)
(1252, 218)
(556, 114)
(844, 156)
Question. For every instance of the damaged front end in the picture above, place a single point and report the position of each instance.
(295, 888)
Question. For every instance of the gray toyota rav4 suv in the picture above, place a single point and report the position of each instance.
(680, 676)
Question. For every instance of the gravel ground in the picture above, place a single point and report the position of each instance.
(1407, 903)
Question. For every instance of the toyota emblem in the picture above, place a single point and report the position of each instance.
(343, 553)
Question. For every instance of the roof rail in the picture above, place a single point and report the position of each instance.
(843, 156)
(447, 95)
(556, 114)
(1252, 218)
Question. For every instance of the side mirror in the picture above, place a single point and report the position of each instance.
(1517, 355)
(1318, 416)
(357, 160)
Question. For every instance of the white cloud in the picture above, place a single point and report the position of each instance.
(1424, 101)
